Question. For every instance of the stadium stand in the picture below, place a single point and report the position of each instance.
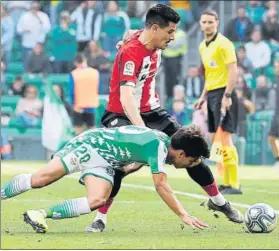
(259, 16)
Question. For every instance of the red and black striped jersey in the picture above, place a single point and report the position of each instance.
(138, 66)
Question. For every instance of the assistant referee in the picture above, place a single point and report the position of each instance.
(220, 64)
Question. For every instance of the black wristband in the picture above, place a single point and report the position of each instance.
(228, 95)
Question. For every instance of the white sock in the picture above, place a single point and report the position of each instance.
(18, 185)
(100, 216)
(219, 199)
(83, 206)
(69, 209)
(25, 181)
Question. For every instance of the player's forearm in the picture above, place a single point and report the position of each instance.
(204, 92)
(166, 193)
(232, 78)
(130, 108)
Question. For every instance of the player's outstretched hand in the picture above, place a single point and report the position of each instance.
(193, 222)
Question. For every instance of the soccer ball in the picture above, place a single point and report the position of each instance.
(260, 218)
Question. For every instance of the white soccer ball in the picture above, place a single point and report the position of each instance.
(260, 218)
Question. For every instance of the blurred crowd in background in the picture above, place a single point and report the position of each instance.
(39, 41)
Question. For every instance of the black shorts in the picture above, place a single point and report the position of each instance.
(158, 119)
(214, 100)
(274, 129)
(87, 118)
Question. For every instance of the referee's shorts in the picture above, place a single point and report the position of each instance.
(214, 100)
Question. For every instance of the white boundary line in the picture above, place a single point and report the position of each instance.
(192, 195)
(150, 188)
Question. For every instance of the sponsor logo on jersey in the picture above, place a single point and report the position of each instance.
(129, 68)
(213, 63)
(114, 122)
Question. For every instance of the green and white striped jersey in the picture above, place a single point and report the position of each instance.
(123, 145)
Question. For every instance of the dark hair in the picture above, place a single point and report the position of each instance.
(241, 47)
(210, 12)
(80, 58)
(18, 78)
(191, 140)
(161, 15)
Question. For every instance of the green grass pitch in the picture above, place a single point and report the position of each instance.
(139, 219)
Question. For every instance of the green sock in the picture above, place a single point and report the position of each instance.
(69, 209)
(18, 185)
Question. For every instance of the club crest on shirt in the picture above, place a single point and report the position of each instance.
(212, 63)
(129, 68)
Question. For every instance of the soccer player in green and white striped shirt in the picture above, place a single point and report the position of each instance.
(97, 153)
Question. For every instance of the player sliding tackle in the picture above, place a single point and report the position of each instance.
(97, 153)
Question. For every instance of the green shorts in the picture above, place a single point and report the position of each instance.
(78, 156)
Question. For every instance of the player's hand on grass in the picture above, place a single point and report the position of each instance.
(199, 103)
(193, 222)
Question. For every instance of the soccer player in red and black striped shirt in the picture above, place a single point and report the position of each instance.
(133, 100)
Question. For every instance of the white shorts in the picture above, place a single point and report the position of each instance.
(83, 158)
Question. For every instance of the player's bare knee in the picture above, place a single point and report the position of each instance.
(97, 201)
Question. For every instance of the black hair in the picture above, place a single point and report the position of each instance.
(18, 78)
(241, 47)
(80, 58)
(161, 15)
(191, 140)
(210, 12)
(28, 87)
